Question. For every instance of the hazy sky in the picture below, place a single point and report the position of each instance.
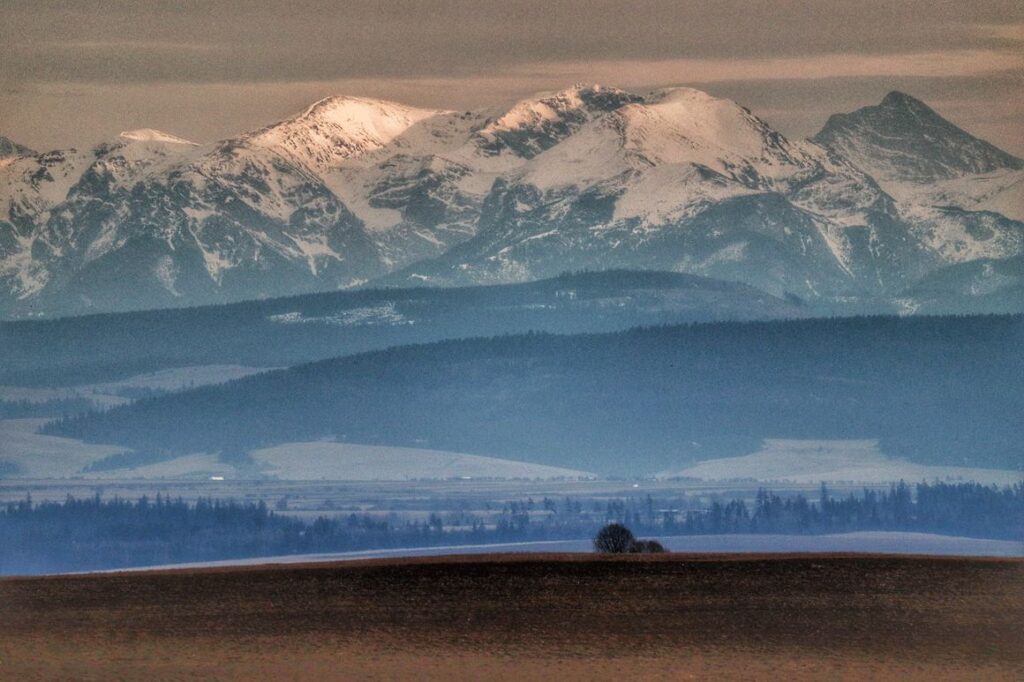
(74, 72)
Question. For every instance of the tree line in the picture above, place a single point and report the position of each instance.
(94, 533)
(968, 509)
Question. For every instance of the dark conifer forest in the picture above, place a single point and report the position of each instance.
(941, 390)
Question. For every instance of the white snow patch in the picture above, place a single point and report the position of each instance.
(811, 461)
(385, 314)
(166, 272)
(312, 248)
(199, 214)
(46, 456)
(344, 461)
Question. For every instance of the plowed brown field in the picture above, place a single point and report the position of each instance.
(524, 617)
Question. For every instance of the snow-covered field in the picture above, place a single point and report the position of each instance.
(848, 461)
(197, 466)
(37, 456)
(866, 542)
(327, 461)
(344, 461)
(778, 462)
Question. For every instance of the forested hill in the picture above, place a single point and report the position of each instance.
(287, 331)
(934, 390)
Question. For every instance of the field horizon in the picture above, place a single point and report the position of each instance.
(529, 616)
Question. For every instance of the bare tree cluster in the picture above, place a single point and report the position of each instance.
(617, 539)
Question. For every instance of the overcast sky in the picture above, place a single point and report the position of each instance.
(76, 72)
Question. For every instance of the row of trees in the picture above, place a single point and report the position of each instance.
(959, 509)
(93, 533)
(55, 407)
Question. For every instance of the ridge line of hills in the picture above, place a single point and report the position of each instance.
(932, 390)
(287, 331)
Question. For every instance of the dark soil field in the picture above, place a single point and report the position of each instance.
(527, 617)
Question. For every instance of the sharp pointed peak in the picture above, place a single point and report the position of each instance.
(896, 98)
(903, 138)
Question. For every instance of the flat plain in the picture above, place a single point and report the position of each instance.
(541, 616)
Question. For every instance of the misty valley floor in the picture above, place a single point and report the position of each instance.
(527, 617)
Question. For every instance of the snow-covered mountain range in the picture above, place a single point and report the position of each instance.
(351, 191)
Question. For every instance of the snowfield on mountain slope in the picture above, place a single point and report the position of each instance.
(457, 156)
(674, 127)
(1000, 192)
(339, 128)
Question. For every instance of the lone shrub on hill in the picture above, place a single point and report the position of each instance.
(646, 547)
(613, 539)
(617, 539)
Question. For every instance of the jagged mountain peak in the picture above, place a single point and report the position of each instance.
(537, 123)
(353, 188)
(685, 125)
(152, 135)
(338, 128)
(902, 139)
(581, 87)
(590, 96)
(677, 127)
